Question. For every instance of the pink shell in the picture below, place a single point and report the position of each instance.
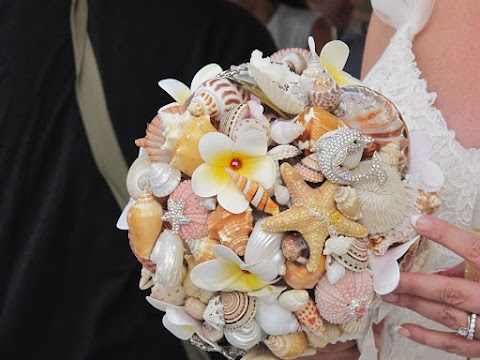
(197, 227)
(346, 300)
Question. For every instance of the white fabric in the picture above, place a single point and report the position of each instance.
(397, 76)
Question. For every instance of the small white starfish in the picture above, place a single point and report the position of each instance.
(175, 215)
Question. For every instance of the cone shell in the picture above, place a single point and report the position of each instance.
(154, 140)
(316, 122)
(310, 319)
(295, 249)
(356, 258)
(298, 277)
(138, 176)
(232, 230)
(196, 228)
(309, 169)
(275, 319)
(190, 288)
(238, 309)
(348, 203)
(168, 254)
(289, 346)
(195, 307)
(164, 178)
(187, 157)
(216, 97)
(201, 249)
(255, 193)
(284, 132)
(145, 223)
(347, 300)
(174, 295)
(325, 93)
(245, 337)
(146, 262)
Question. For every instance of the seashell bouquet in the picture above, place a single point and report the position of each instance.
(270, 205)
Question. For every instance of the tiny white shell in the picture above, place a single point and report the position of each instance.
(167, 254)
(164, 178)
(294, 300)
(246, 337)
(208, 203)
(282, 195)
(284, 132)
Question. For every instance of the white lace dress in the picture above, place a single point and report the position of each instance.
(397, 76)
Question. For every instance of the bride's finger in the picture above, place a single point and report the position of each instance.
(449, 342)
(457, 292)
(461, 242)
(447, 315)
(456, 271)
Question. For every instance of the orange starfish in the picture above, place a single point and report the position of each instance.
(313, 211)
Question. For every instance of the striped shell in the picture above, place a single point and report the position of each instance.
(138, 176)
(309, 169)
(288, 346)
(325, 93)
(201, 249)
(310, 318)
(346, 300)
(296, 58)
(239, 120)
(348, 203)
(245, 337)
(216, 97)
(195, 307)
(356, 257)
(295, 249)
(164, 178)
(238, 309)
(391, 154)
(154, 141)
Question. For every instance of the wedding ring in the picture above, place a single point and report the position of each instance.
(464, 331)
(472, 319)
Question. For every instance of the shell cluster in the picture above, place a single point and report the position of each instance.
(262, 241)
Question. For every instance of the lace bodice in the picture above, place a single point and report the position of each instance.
(397, 76)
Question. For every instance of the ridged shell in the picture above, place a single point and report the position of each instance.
(356, 258)
(138, 176)
(145, 223)
(213, 313)
(239, 120)
(164, 178)
(275, 319)
(373, 115)
(284, 132)
(174, 295)
(168, 254)
(289, 346)
(294, 300)
(347, 300)
(238, 309)
(325, 93)
(355, 327)
(282, 152)
(195, 307)
(245, 337)
(391, 154)
(332, 333)
(310, 318)
(309, 169)
(190, 288)
(196, 228)
(201, 249)
(348, 203)
(298, 277)
(232, 230)
(187, 157)
(266, 246)
(254, 192)
(154, 140)
(295, 249)
(317, 122)
(216, 97)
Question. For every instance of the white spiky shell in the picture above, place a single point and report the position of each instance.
(274, 319)
(213, 313)
(265, 246)
(282, 152)
(138, 176)
(284, 132)
(246, 337)
(164, 179)
(294, 300)
(168, 254)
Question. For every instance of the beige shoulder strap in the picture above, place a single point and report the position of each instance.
(93, 107)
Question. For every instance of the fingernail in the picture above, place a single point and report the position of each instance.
(391, 298)
(402, 331)
(421, 222)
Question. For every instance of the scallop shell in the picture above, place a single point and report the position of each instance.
(347, 202)
(275, 319)
(289, 346)
(298, 277)
(245, 337)
(187, 157)
(239, 120)
(238, 309)
(317, 122)
(265, 246)
(255, 193)
(282, 152)
(347, 300)
(145, 223)
(164, 178)
(355, 327)
(213, 313)
(168, 255)
(309, 169)
(174, 295)
(295, 249)
(138, 177)
(294, 300)
(356, 257)
(201, 249)
(154, 140)
(325, 93)
(190, 288)
(232, 230)
(196, 228)
(284, 132)
(310, 318)
(373, 115)
(195, 307)
(216, 97)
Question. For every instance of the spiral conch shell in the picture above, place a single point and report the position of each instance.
(202, 249)
(154, 141)
(232, 230)
(145, 223)
(296, 58)
(288, 346)
(238, 309)
(348, 203)
(239, 120)
(216, 97)
(138, 176)
(245, 337)
(164, 178)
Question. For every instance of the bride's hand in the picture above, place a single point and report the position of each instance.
(443, 298)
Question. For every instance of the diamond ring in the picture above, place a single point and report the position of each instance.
(472, 319)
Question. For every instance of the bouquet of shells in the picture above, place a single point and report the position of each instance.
(271, 203)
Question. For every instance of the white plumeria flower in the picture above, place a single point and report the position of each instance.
(333, 58)
(181, 92)
(420, 165)
(246, 156)
(229, 273)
